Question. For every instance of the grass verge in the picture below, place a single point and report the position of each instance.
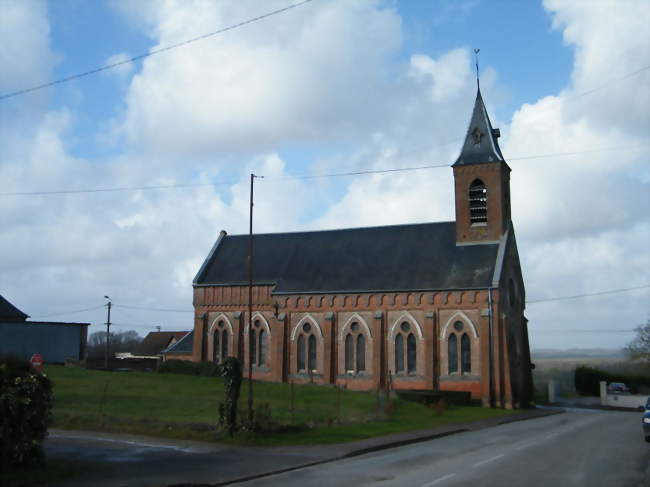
(181, 406)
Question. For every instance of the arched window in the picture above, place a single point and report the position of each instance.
(477, 202)
(355, 349)
(261, 358)
(301, 353)
(307, 348)
(465, 355)
(253, 344)
(405, 348)
(349, 353)
(224, 345)
(258, 344)
(399, 353)
(216, 346)
(452, 353)
(220, 342)
(411, 354)
(361, 353)
(312, 352)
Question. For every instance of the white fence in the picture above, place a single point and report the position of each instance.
(621, 400)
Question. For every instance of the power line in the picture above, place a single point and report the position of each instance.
(69, 312)
(591, 330)
(304, 176)
(145, 308)
(609, 82)
(612, 291)
(150, 53)
(560, 298)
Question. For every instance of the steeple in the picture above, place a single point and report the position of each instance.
(481, 143)
(482, 182)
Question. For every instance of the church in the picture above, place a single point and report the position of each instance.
(429, 306)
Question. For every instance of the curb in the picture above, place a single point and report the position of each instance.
(425, 436)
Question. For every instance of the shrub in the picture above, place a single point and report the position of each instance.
(209, 369)
(428, 398)
(587, 380)
(25, 407)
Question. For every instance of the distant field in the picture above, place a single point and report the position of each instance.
(183, 406)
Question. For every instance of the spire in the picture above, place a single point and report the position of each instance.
(481, 143)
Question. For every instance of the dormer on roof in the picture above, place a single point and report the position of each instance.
(481, 144)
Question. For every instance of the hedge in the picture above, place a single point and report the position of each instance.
(429, 397)
(25, 411)
(587, 380)
(209, 369)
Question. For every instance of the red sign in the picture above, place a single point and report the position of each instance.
(37, 362)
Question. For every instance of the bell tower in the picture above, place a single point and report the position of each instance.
(482, 183)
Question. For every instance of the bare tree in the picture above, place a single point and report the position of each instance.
(124, 341)
(639, 348)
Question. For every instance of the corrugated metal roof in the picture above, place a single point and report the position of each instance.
(9, 313)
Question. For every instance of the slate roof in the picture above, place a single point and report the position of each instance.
(183, 346)
(9, 313)
(388, 258)
(480, 130)
(156, 341)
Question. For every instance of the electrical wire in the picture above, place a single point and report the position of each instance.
(306, 176)
(150, 53)
(145, 308)
(68, 312)
(612, 291)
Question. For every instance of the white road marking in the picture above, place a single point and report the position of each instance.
(526, 445)
(444, 477)
(488, 460)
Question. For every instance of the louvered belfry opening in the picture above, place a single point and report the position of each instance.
(477, 202)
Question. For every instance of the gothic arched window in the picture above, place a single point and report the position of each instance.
(477, 202)
(349, 353)
(452, 353)
(405, 348)
(312, 353)
(355, 349)
(258, 343)
(220, 342)
(399, 354)
(307, 348)
(465, 355)
(411, 354)
(361, 353)
(301, 353)
(261, 349)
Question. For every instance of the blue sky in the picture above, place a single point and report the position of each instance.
(330, 85)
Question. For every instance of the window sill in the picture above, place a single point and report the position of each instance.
(459, 377)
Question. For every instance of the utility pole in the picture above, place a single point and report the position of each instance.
(250, 306)
(108, 328)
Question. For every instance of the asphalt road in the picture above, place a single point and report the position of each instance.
(579, 448)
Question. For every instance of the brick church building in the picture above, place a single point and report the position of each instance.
(417, 306)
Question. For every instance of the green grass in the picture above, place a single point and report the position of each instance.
(182, 406)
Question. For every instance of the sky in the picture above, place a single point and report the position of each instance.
(328, 86)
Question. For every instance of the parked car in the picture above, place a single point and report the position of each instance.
(646, 426)
(617, 388)
(647, 404)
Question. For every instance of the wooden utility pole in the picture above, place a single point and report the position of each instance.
(108, 334)
(250, 307)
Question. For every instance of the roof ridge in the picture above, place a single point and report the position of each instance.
(344, 229)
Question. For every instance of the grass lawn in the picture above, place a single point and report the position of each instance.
(183, 406)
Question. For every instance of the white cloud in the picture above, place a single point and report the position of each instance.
(322, 74)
